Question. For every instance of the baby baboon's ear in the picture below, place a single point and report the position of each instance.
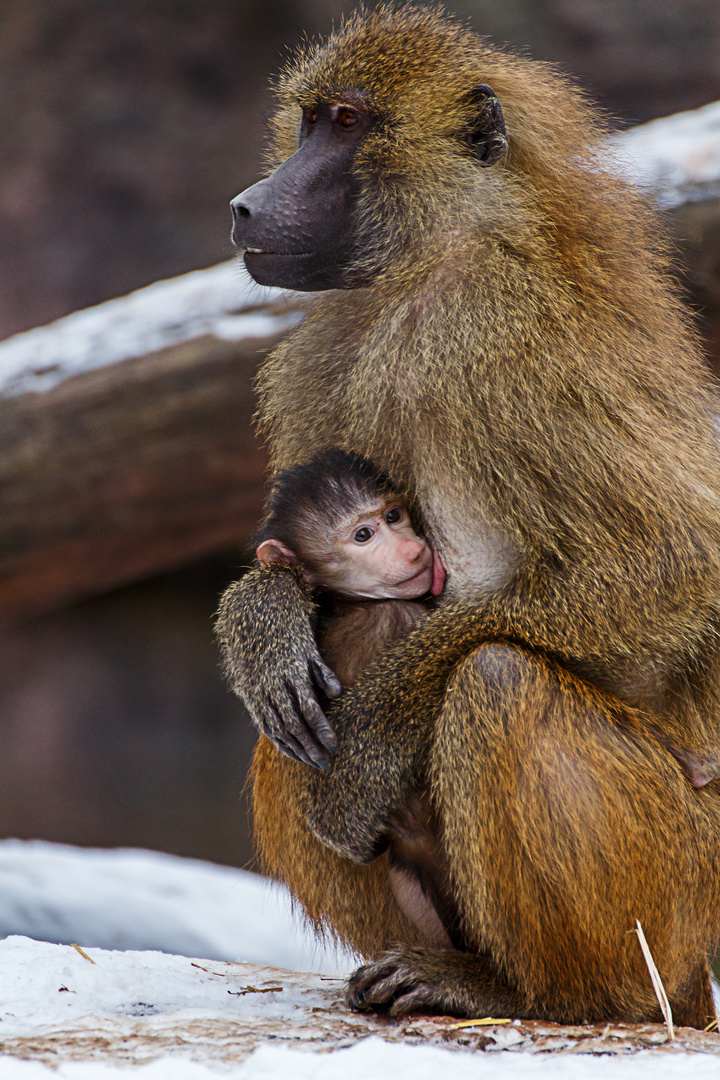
(271, 551)
(486, 133)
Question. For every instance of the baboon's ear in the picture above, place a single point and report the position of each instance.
(486, 132)
(271, 551)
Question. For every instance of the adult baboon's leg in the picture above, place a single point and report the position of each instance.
(562, 826)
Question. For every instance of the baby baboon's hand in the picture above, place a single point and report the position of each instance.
(272, 661)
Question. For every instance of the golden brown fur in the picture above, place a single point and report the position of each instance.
(523, 367)
(334, 892)
(352, 904)
(355, 635)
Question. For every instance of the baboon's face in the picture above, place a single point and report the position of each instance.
(303, 226)
(296, 227)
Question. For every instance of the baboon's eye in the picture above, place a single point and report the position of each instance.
(394, 515)
(311, 115)
(363, 535)
(347, 117)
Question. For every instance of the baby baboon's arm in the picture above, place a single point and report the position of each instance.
(265, 630)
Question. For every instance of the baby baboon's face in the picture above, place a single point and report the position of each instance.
(376, 554)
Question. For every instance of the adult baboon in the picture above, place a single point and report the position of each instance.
(515, 356)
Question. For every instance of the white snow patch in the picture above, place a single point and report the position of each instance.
(379, 1060)
(51, 995)
(374, 1059)
(44, 986)
(130, 899)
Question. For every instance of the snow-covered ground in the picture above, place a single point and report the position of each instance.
(110, 1014)
(128, 899)
(104, 1014)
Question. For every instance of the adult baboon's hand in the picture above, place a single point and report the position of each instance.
(271, 660)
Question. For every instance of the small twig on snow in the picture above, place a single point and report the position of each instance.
(82, 952)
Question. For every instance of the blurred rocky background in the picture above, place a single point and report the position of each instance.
(126, 128)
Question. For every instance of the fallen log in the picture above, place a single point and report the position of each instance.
(126, 444)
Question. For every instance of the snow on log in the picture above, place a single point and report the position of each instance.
(90, 1002)
(676, 159)
(222, 303)
(125, 437)
(126, 444)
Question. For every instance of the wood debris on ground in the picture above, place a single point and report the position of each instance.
(314, 1017)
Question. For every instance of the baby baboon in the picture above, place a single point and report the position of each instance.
(515, 356)
(349, 531)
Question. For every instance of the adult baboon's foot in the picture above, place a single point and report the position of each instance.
(411, 979)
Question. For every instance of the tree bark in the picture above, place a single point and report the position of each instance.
(123, 471)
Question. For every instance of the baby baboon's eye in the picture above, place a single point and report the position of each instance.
(394, 515)
(363, 535)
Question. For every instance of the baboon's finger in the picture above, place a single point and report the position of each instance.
(326, 679)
